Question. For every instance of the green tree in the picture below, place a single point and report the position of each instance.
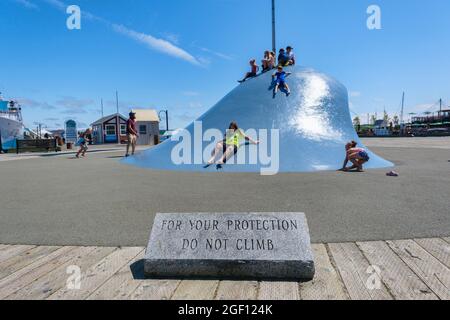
(386, 117)
(357, 124)
(396, 120)
(373, 119)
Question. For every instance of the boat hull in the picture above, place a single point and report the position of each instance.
(10, 130)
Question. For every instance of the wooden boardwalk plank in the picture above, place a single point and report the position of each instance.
(155, 290)
(12, 251)
(439, 248)
(410, 269)
(23, 259)
(98, 274)
(435, 275)
(402, 282)
(279, 291)
(196, 290)
(326, 284)
(34, 271)
(84, 257)
(121, 285)
(353, 268)
(237, 290)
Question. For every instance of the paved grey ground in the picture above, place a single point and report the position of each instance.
(98, 201)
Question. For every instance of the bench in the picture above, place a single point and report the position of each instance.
(36, 145)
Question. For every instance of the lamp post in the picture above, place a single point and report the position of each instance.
(166, 112)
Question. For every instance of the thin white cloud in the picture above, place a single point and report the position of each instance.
(195, 105)
(171, 37)
(31, 103)
(354, 94)
(217, 54)
(27, 4)
(151, 42)
(160, 45)
(74, 105)
(58, 4)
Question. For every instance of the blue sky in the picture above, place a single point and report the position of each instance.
(185, 55)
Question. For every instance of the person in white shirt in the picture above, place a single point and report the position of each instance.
(291, 56)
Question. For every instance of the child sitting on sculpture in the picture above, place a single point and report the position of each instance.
(252, 73)
(290, 56)
(283, 58)
(286, 57)
(229, 145)
(269, 61)
(280, 76)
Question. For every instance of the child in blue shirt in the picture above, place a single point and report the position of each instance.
(280, 76)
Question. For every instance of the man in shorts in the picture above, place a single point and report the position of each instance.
(132, 134)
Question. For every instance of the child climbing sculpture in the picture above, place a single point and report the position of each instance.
(280, 76)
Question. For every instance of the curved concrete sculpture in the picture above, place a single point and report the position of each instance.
(314, 124)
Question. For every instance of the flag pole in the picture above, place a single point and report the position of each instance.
(274, 44)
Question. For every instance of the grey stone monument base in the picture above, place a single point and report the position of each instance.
(230, 270)
(230, 246)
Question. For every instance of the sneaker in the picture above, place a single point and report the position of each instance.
(392, 174)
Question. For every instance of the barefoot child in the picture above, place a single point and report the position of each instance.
(357, 156)
(252, 73)
(280, 76)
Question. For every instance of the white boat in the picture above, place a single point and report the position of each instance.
(11, 123)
